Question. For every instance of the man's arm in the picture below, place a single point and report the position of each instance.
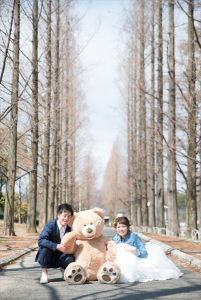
(45, 238)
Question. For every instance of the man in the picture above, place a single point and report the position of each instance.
(51, 253)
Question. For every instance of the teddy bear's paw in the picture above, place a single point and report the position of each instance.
(109, 273)
(75, 275)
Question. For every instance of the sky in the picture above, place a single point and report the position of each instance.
(100, 57)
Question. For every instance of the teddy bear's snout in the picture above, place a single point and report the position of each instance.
(89, 231)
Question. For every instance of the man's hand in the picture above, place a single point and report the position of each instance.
(62, 248)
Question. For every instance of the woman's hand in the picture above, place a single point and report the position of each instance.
(128, 248)
(111, 244)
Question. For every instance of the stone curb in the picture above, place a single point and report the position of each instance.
(168, 249)
(6, 260)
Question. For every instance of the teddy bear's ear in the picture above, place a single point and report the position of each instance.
(72, 219)
(99, 212)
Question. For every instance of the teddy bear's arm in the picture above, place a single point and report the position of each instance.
(69, 240)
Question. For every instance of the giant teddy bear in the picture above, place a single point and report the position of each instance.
(93, 258)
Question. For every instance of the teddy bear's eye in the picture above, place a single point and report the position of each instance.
(85, 225)
(91, 223)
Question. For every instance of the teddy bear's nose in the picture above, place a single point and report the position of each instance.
(89, 230)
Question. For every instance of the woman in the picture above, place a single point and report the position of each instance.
(140, 262)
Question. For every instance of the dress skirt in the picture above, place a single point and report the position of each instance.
(154, 267)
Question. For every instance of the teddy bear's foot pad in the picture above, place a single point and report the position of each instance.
(75, 275)
(108, 273)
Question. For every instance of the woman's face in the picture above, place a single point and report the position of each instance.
(122, 230)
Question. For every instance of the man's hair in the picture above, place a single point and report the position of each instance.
(122, 220)
(64, 207)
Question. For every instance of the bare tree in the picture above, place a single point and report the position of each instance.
(54, 180)
(12, 153)
(133, 131)
(191, 213)
(151, 172)
(159, 136)
(173, 221)
(112, 196)
(142, 111)
(8, 43)
(32, 198)
(46, 147)
(88, 182)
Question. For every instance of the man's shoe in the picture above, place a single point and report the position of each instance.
(44, 278)
(62, 273)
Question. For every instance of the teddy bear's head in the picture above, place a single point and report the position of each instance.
(88, 223)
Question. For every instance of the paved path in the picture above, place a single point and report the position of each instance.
(21, 281)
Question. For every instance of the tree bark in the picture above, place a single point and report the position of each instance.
(151, 206)
(46, 153)
(173, 221)
(129, 146)
(32, 197)
(54, 183)
(12, 152)
(191, 208)
(134, 133)
(143, 146)
(199, 197)
(159, 139)
(68, 142)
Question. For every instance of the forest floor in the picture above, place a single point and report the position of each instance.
(12, 244)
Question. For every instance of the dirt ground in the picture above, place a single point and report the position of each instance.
(11, 244)
(186, 246)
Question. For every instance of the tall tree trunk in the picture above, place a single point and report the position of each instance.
(133, 134)
(191, 213)
(54, 183)
(66, 147)
(173, 221)
(129, 157)
(72, 150)
(12, 152)
(135, 167)
(159, 140)
(199, 197)
(152, 126)
(68, 142)
(61, 154)
(46, 153)
(32, 198)
(143, 147)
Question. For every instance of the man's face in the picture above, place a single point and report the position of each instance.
(64, 218)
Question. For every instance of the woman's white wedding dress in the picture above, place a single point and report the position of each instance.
(155, 267)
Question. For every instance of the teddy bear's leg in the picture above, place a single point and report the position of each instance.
(75, 274)
(109, 272)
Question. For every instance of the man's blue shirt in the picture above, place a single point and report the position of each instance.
(134, 240)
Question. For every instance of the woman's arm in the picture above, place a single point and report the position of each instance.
(131, 249)
(140, 247)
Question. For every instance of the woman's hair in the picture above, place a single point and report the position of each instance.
(122, 220)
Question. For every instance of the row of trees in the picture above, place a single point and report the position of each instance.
(160, 88)
(43, 113)
(43, 110)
